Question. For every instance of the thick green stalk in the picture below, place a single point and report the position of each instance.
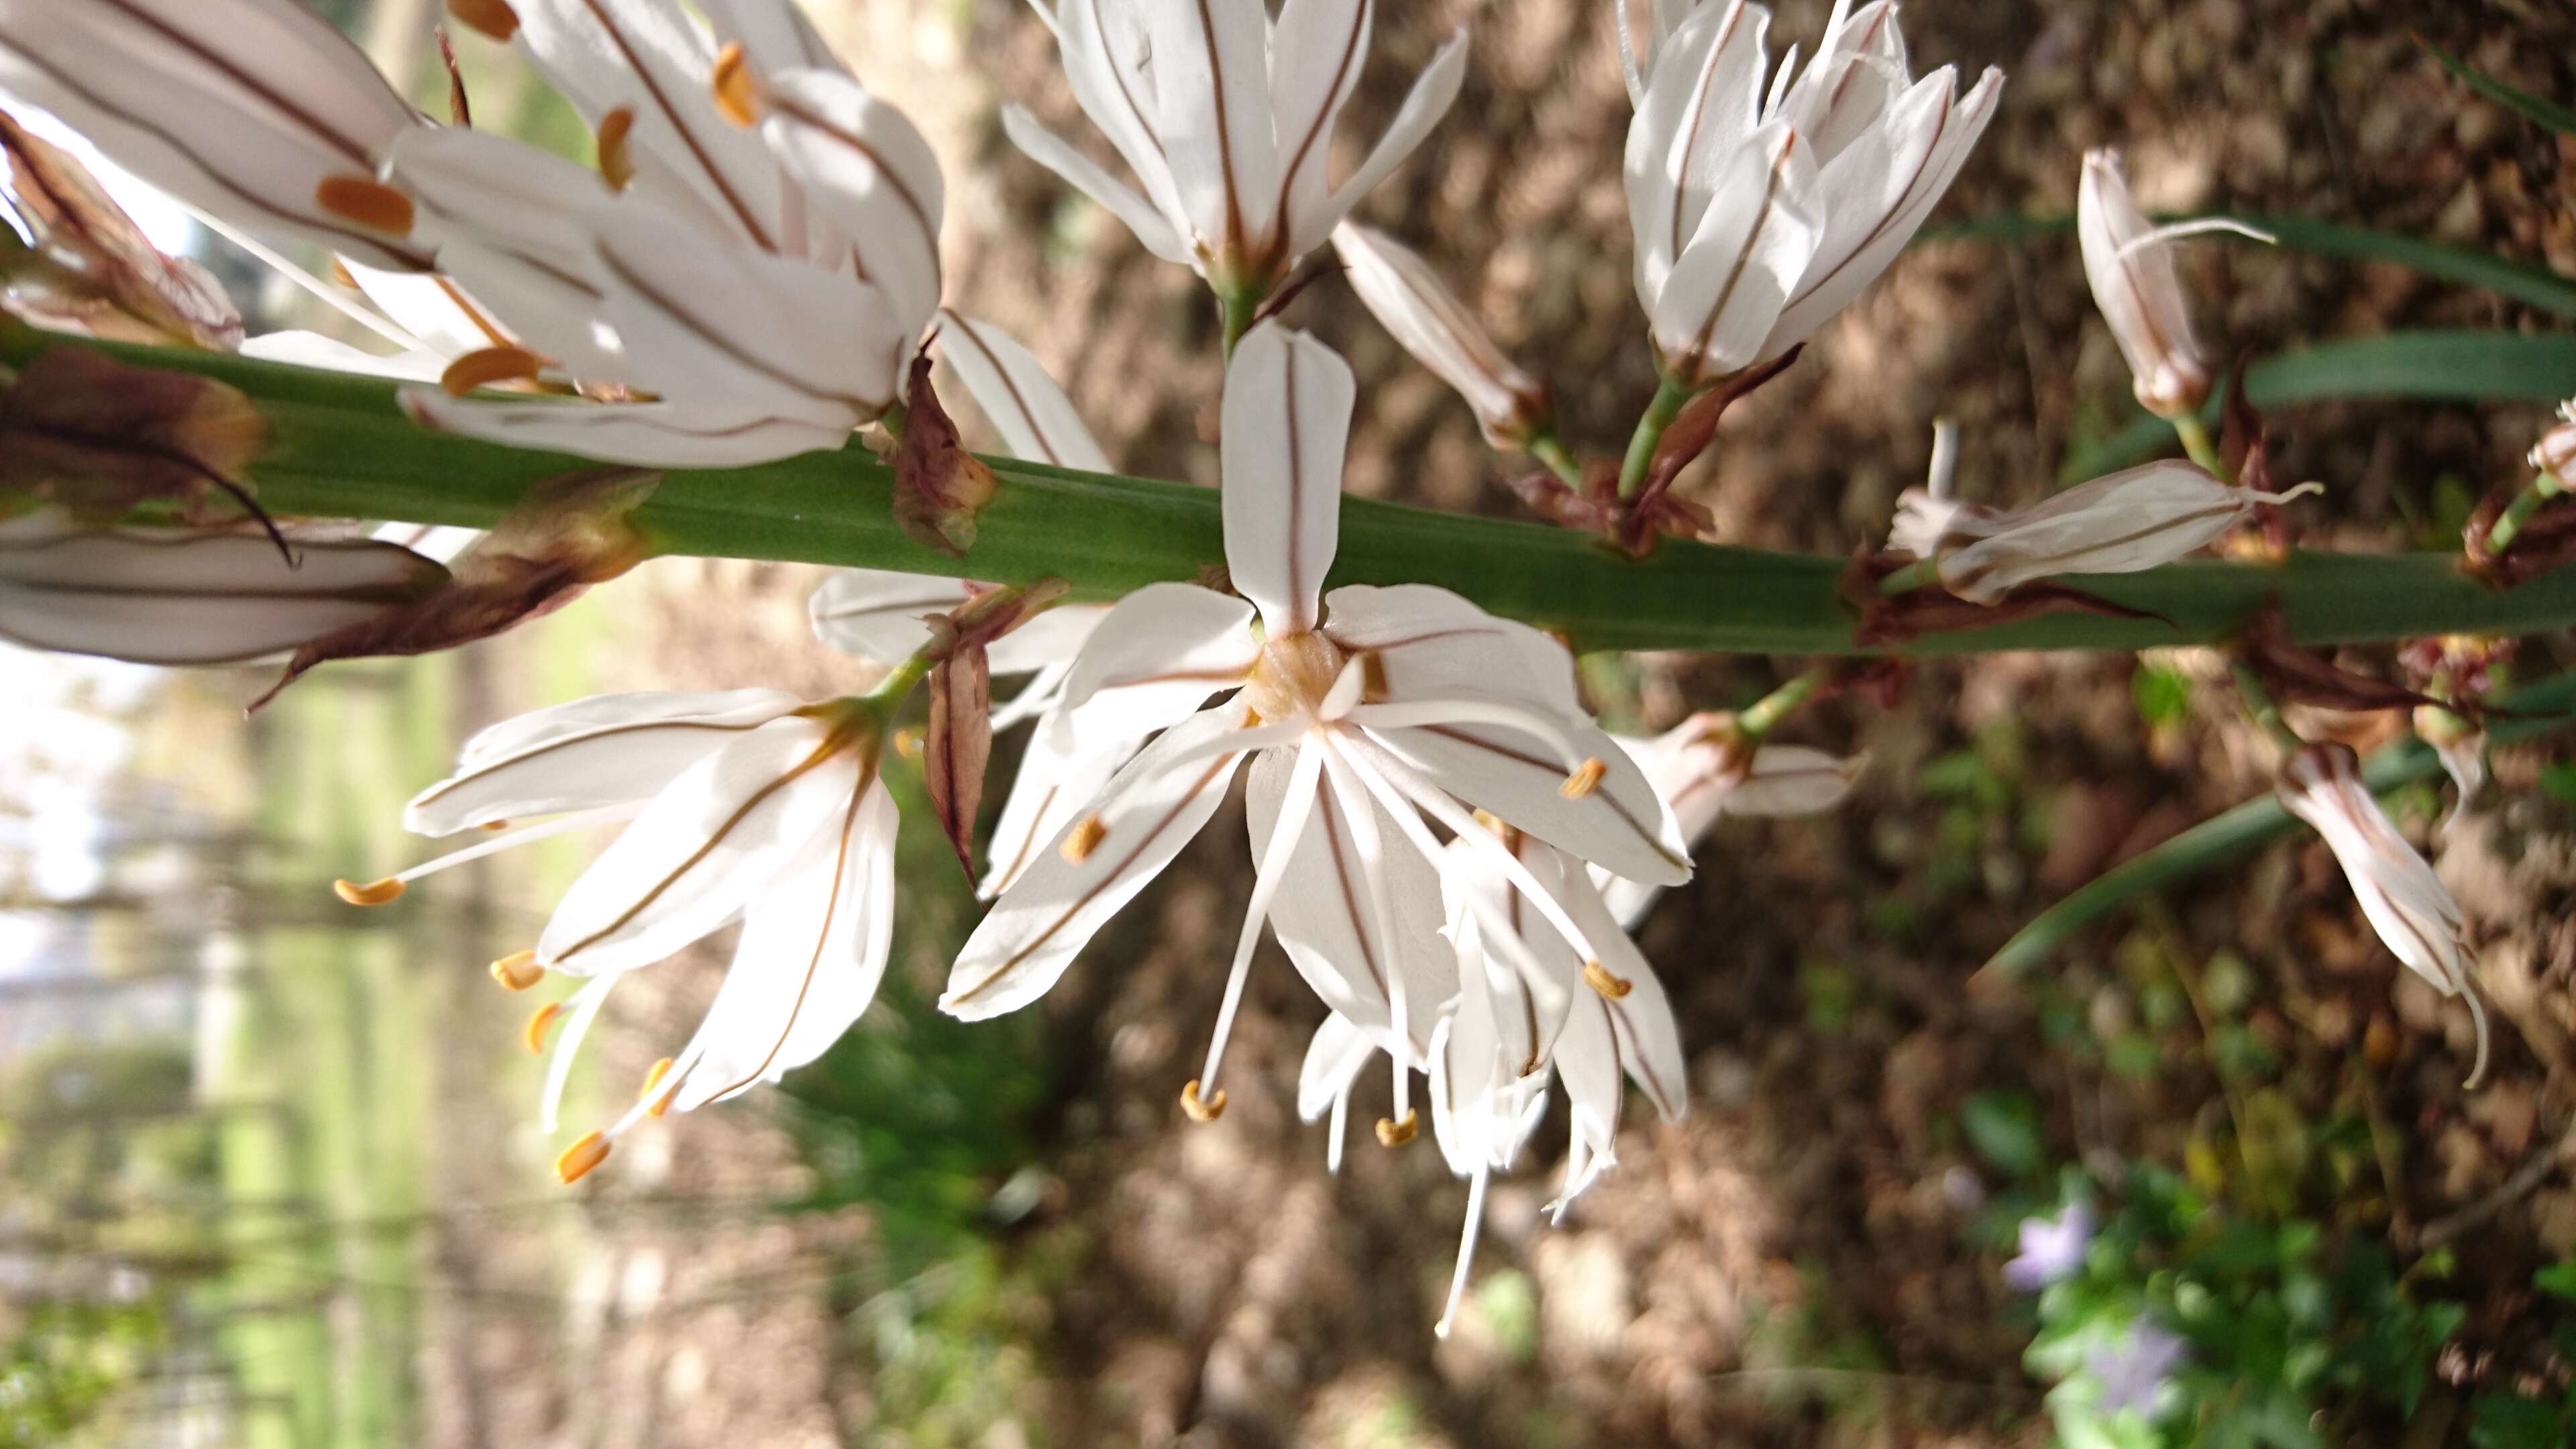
(2196, 445)
(343, 450)
(1549, 449)
(2508, 524)
(1764, 714)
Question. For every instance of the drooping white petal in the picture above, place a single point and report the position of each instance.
(1108, 60)
(1054, 153)
(866, 169)
(2134, 519)
(1730, 283)
(1433, 93)
(1408, 298)
(429, 307)
(1620, 825)
(1212, 116)
(1156, 656)
(1795, 780)
(813, 950)
(1049, 641)
(589, 753)
(1648, 1038)
(1149, 811)
(240, 108)
(1334, 1059)
(711, 841)
(1326, 913)
(153, 597)
(1031, 412)
(644, 435)
(1287, 416)
(878, 614)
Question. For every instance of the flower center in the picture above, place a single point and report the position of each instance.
(1292, 676)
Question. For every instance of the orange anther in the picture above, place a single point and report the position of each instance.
(373, 893)
(615, 162)
(486, 366)
(653, 1079)
(1083, 839)
(1207, 1110)
(368, 202)
(534, 1034)
(1598, 977)
(1585, 779)
(737, 96)
(518, 971)
(494, 18)
(581, 1157)
(1391, 1133)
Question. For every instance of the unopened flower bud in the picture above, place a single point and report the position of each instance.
(2140, 518)
(2130, 266)
(1407, 297)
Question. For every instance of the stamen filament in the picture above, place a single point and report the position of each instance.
(578, 820)
(1296, 807)
(1466, 1250)
(2197, 226)
(1400, 714)
(585, 1005)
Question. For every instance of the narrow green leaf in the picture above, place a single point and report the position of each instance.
(2446, 366)
(2523, 103)
(2247, 828)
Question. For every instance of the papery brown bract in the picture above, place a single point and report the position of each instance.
(99, 437)
(958, 742)
(566, 535)
(2294, 674)
(939, 486)
(90, 269)
(2546, 541)
(1900, 619)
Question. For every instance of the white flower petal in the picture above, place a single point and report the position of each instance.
(240, 108)
(1334, 1060)
(1287, 416)
(2134, 519)
(1847, 89)
(1108, 62)
(877, 614)
(154, 597)
(1157, 655)
(774, 34)
(1054, 153)
(1212, 115)
(1431, 643)
(1408, 298)
(1621, 825)
(1050, 640)
(813, 950)
(1148, 813)
(2138, 289)
(1702, 101)
(1031, 412)
(1433, 93)
(1057, 782)
(592, 752)
(868, 171)
(312, 349)
(711, 841)
(1730, 284)
(1790, 780)
(1318, 50)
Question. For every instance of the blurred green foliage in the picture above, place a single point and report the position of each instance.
(63, 1365)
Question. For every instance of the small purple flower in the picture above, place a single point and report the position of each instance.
(2132, 1371)
(2052, 1249)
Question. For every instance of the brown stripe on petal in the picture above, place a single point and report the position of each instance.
(566, 742)
(823, 937)
(851, 139)
(1019, 403)
(599, 11)
(1314, 134)
(1556, 771)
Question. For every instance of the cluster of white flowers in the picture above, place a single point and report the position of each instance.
(1448, 848)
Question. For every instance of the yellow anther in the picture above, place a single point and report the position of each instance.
(534, 1034)
(1198, 1110)
(1083, 839)
(494, 825)
(615, 162)
(341, 274)
(737, 96)
(1391, 1133)
(373, 893)
(653, 1079)
(581, 1157)
(907, 743)
(1585, 779)
(368, 202)
(486, 366)
(492, 17)
(518, 971)
(1598, 977)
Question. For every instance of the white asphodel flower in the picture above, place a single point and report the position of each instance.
(2129, 263)
(2555, 453)
(1704, 768)
(748, 805)
(1361, 712)
(2125, 522)
(1408, 298)
(1761, 208)
(187, 597)
(2410, 908)
(1227, 120)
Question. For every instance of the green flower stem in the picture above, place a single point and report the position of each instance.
(2196, 443)
(2508, 525)
(1660, 412)
(341, 449)
(1764, 715)
(2260, 707)
(1241, 307)
(2249, 827)
(1549, 449)
(1923, 573)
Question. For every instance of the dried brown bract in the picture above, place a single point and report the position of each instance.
(939, 486)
